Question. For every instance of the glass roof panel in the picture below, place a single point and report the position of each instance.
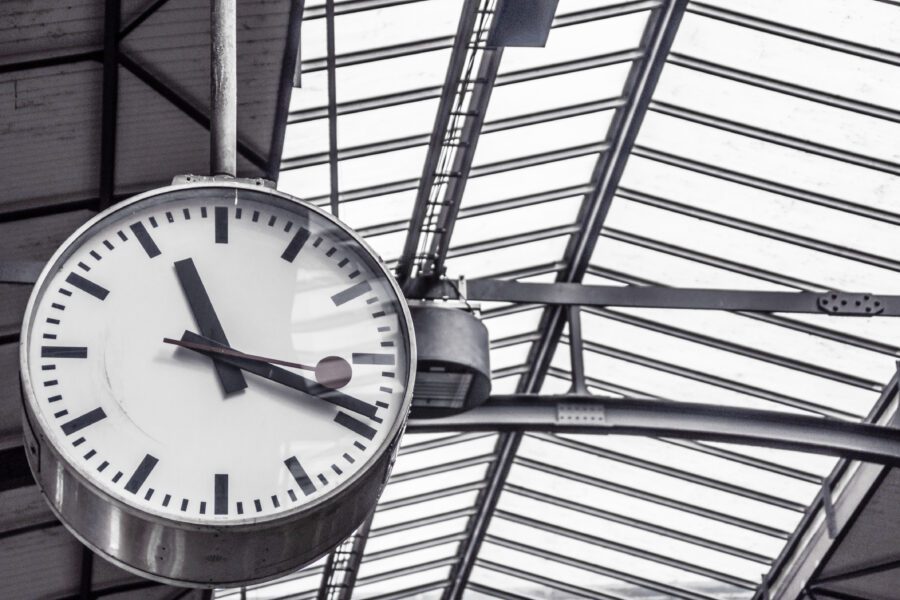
(521, 220)
(405, 514)
(788, 60)
(614, 501)
(546, 93)
(378, 210)
(520, 182)
(366, 589)
(381, 77)
(542, 137)
(487, 263)
(379, 543)
(869, 23)
(392, 122)
(391, 26)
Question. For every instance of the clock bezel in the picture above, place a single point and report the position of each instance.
(40, 442)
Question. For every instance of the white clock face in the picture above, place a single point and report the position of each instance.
(226, 273)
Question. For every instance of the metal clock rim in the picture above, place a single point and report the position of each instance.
(249, 523)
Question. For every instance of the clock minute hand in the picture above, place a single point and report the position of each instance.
(230, 377)
(265, 369)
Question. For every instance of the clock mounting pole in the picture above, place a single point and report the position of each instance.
(223, 88)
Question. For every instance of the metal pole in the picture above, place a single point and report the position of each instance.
(223, 91)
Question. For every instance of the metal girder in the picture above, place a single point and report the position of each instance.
(641, 417)
(659, 34)
(428, 213)
(568, 294)
(289, 64)
(110, 102)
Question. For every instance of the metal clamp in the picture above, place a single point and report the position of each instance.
(188, 178)
(580, 414)
(840, 303)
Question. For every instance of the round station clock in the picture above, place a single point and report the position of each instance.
(215, 377)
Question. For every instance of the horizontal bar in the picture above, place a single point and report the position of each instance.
(571, 589)
(641, 417)
(497, 290)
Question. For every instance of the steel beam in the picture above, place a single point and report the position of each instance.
(640, 417)
(568, 294)
(331, 62)
(289, 64)
(110, 102)
(451, 94)
(342, 567)
(662, 24)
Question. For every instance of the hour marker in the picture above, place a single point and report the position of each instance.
(144, 239)
(381, 404)
(383, 329)
(355, 425)
(349, 458)
(300, 476)
(169, 217)
(323, 479)
(49, 336)
(187, 214)
(288, 226)
(140, 474)
(317, 242)
(240, 505)
(376, 315)
(238, 212)
(221, 482)
(184, 504)
(271, 220)
(167, 499)
(221, 224)
(53, 321)
(95, 255)
(275, 501)
(371, 300)
(90, 454)
(78, 442)
(48, 367)
(61, 413)
(354, 274)
(359, 445)
(330, 252)
(122, 236)
(292, 495)
(102, 466)
(63, 352)
(387, 373)
(202, 504)
(372, 358)
(153, 222)
(343, 262)
(255, 217)
(57, 306)
(79, 423)
(203, 211)
(54, 398)
(51, 383)
(117, 477)
(336, 469)
(354, 291)
(65, 292)
(258, 505)
(87, 286)
(83, 266)
(108, 245)
(387, 344)
(296, 244)
(149, 494)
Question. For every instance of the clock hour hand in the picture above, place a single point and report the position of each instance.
(265, 369)
(230, 376)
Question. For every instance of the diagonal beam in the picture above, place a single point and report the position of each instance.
(659, 34)
(453, 92)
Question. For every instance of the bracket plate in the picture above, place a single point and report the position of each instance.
(841, 303)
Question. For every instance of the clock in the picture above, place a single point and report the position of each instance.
(215, 379)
